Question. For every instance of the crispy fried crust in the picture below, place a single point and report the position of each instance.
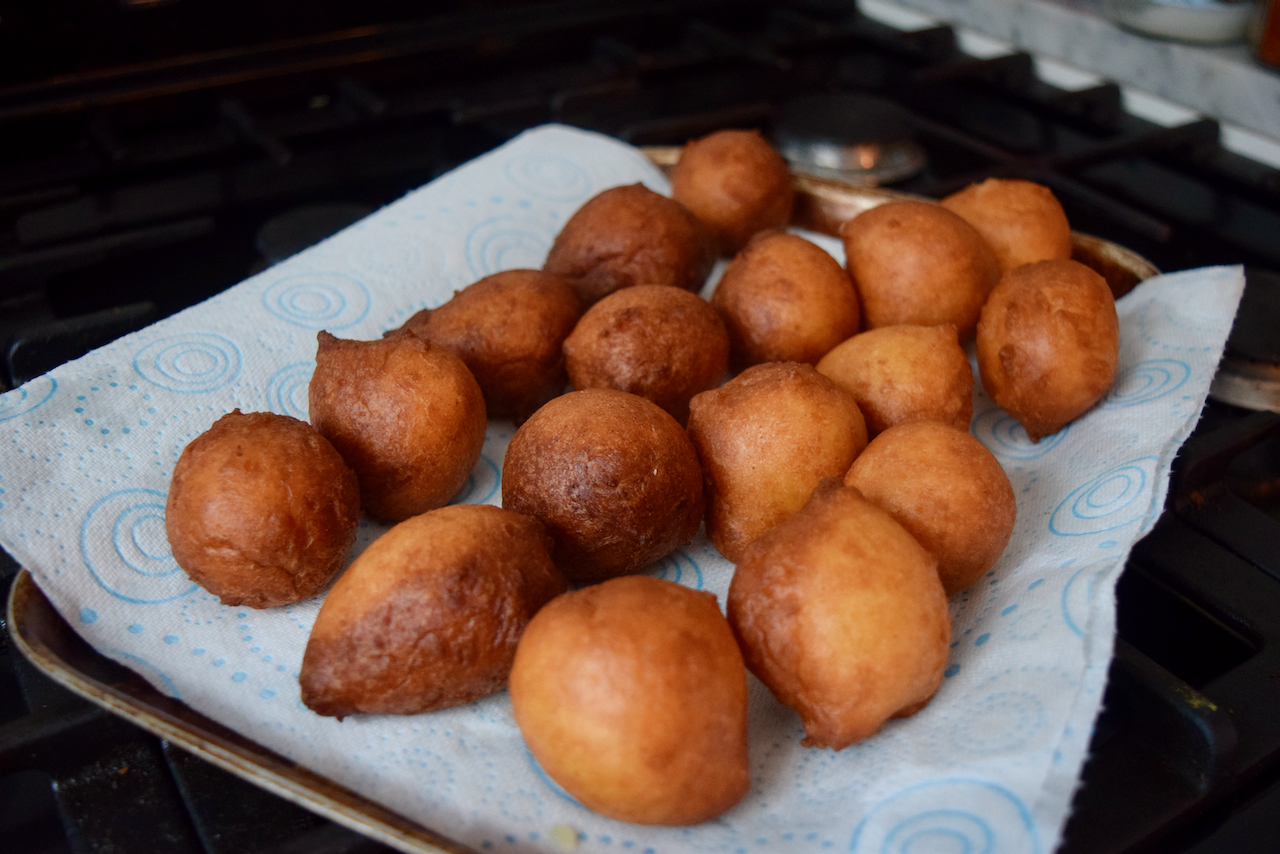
(735, 182)
(632, 695)
(429, 615)
(405, 414)
(900, 374)
(261, 510)
(946, 489)
(659, 342)
(508, 329)
(631, 236)
(839, 611)
(783, 299)
(1048, 344)
(1021, 221)
(919, 263)
(613, 477)
(765, 439)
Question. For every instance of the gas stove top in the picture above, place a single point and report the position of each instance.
(155, 154)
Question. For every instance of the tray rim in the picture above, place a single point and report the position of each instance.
(28, 608)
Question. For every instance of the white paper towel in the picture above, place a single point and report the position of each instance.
(991, 762)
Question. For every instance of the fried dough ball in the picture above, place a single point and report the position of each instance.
(839, 611)
(659, 342)
(919, 263)
(428, 616)
(405, 414)
(631, 236)
(1022, 221)
(900, 374)
(632, 695)
(262, 510)
(946, 489)
(612, 476)
(766, 438)
(783, 299)
(507, 329)
(735, 182)
(1048, 344)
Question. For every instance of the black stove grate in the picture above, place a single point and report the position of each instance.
(138, 183)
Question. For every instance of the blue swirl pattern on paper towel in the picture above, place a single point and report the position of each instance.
(126, 550)
(506, 243)
(1147, 381)
(288, 388)
(1111, 500)
(190, 362)
(318, 300)
(1005, 437)
(546, 176)
(482, 483)
(23, 399)
(681, 568)
(980, 818)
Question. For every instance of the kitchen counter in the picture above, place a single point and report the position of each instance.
(1223, 82)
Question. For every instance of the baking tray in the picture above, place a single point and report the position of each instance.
(44, 637)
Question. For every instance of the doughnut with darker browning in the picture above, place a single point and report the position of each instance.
(261, 510)
(631, 236)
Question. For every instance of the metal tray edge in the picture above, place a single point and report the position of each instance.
(37, 629)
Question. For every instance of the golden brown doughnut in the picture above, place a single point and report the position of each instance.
(1048, 344)
(659, 342)
(900, 374)
(405, 414)
(1021, 221)
(631, 694)
(735, 182)
(765, 439)
(631, 236)
(783, 299)
(946, 489)
(612, 476)
(919, 263)
(262, 510)
(507, 329)
(428, 616)
(839, 611)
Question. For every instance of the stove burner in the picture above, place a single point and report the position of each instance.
(1249, 376)
(855, 138)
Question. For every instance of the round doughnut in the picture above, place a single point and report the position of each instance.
(262, 510)
(1021, 221)
(507, 329)
(919, 263)
(631, 694)
(405, 414)
(946, 489)
(1048, 344)
(839, 611)
(783, 299)
(905, 373)
(661, 343)
(631, 236)
(735, 182)
(428, 616)
(766, 438)
(613, 477)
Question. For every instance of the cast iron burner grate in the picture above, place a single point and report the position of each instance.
(158, 171)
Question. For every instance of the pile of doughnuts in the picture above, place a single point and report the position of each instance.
(815, 418)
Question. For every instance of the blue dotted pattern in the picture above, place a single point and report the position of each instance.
(88, 453)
